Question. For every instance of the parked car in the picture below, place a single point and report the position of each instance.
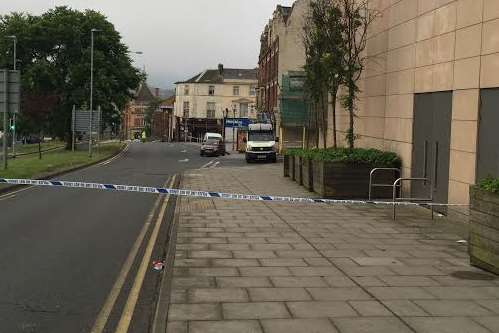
(212, 147)
(208, 136)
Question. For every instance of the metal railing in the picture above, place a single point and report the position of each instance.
(398, 183)
(371, 176)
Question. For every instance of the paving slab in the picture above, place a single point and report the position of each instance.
(272, 267)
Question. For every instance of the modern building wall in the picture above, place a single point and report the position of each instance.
(424, 46)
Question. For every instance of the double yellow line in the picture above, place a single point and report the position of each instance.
(133, 296)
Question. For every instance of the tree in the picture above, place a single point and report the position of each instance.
(324, 61)
(316, 79)
(54, 54)
(355, 19)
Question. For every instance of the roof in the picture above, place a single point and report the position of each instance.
(213, 75)
(144, 94)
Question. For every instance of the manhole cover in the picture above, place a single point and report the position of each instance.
(467, 275)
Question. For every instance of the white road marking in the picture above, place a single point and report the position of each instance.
(116, 157)
(207, 165)
(184, 151)
(184, 161)
(215, 164)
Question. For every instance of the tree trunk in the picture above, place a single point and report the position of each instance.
(334, 95)
(317, 126)
(324, 113)
(351, 99)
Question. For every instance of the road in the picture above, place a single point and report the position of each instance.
(62, 250)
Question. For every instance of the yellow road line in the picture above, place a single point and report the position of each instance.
(108, 306)
(11, 194)
(127, 314)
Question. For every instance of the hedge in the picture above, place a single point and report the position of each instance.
(490, 184)
(372, 157)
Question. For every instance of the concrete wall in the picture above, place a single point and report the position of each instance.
(198, 98)
(420, 46)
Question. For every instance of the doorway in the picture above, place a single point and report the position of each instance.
(431, 146)
(488, 135)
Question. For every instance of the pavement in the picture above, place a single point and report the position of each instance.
(286, 267)
(62, 251)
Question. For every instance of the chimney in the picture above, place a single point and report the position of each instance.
(221, 69)
(156, 92)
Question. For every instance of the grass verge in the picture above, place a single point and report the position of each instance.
(56, 162)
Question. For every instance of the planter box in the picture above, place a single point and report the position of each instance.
(291, 163)
(483, 245)
(342, 180)
(307, 174)
(298, 170)
(286, 166)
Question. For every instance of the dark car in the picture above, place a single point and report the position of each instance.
(212, 147)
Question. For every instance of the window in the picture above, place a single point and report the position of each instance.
(235, 91)
(252, 90)
(210, 110)
(243, 110)
(186, 90)
(211, 90)
(186, 110)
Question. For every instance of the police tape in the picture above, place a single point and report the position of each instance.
(205, 194)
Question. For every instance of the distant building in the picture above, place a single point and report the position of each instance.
(282, 57)
(133, 122)
(163, 121)
(202, 102)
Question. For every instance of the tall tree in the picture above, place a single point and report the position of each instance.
(355, 19)
(54, 57)
(324, 61)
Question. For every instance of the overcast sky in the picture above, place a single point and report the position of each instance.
(179, 38)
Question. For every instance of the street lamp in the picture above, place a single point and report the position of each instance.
(91, 89)
(14, 40)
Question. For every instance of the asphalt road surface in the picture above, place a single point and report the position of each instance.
(63, 250)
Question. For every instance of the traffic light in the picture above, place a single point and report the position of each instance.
(12, 125)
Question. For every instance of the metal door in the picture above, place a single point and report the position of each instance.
(431, 145)
(488, 135)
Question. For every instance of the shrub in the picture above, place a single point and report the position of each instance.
(371, 157)
(490, 184)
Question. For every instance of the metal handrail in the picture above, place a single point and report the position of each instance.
(398, 182)
(371, 175)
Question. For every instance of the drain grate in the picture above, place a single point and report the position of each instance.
(468, 275)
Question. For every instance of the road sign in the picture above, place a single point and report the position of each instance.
(81, 121)
(237, 122)
(10, 90)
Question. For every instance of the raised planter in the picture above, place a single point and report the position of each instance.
(483, 245)
(343, 180)
(298, 170)
(286, 166)
(307, 174)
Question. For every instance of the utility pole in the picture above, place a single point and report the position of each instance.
(14, 66)
(91, 90)
(6, 104)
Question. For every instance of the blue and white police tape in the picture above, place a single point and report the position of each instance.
(202, 194)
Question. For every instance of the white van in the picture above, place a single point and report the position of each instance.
(208, 136)
(261, 144)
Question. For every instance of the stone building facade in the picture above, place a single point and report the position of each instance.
(202, 102)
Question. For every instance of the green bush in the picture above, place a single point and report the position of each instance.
(490, 184)
(371, 157)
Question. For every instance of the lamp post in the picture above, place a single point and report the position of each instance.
(91, 90)
(233, 127)
(14, 66)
